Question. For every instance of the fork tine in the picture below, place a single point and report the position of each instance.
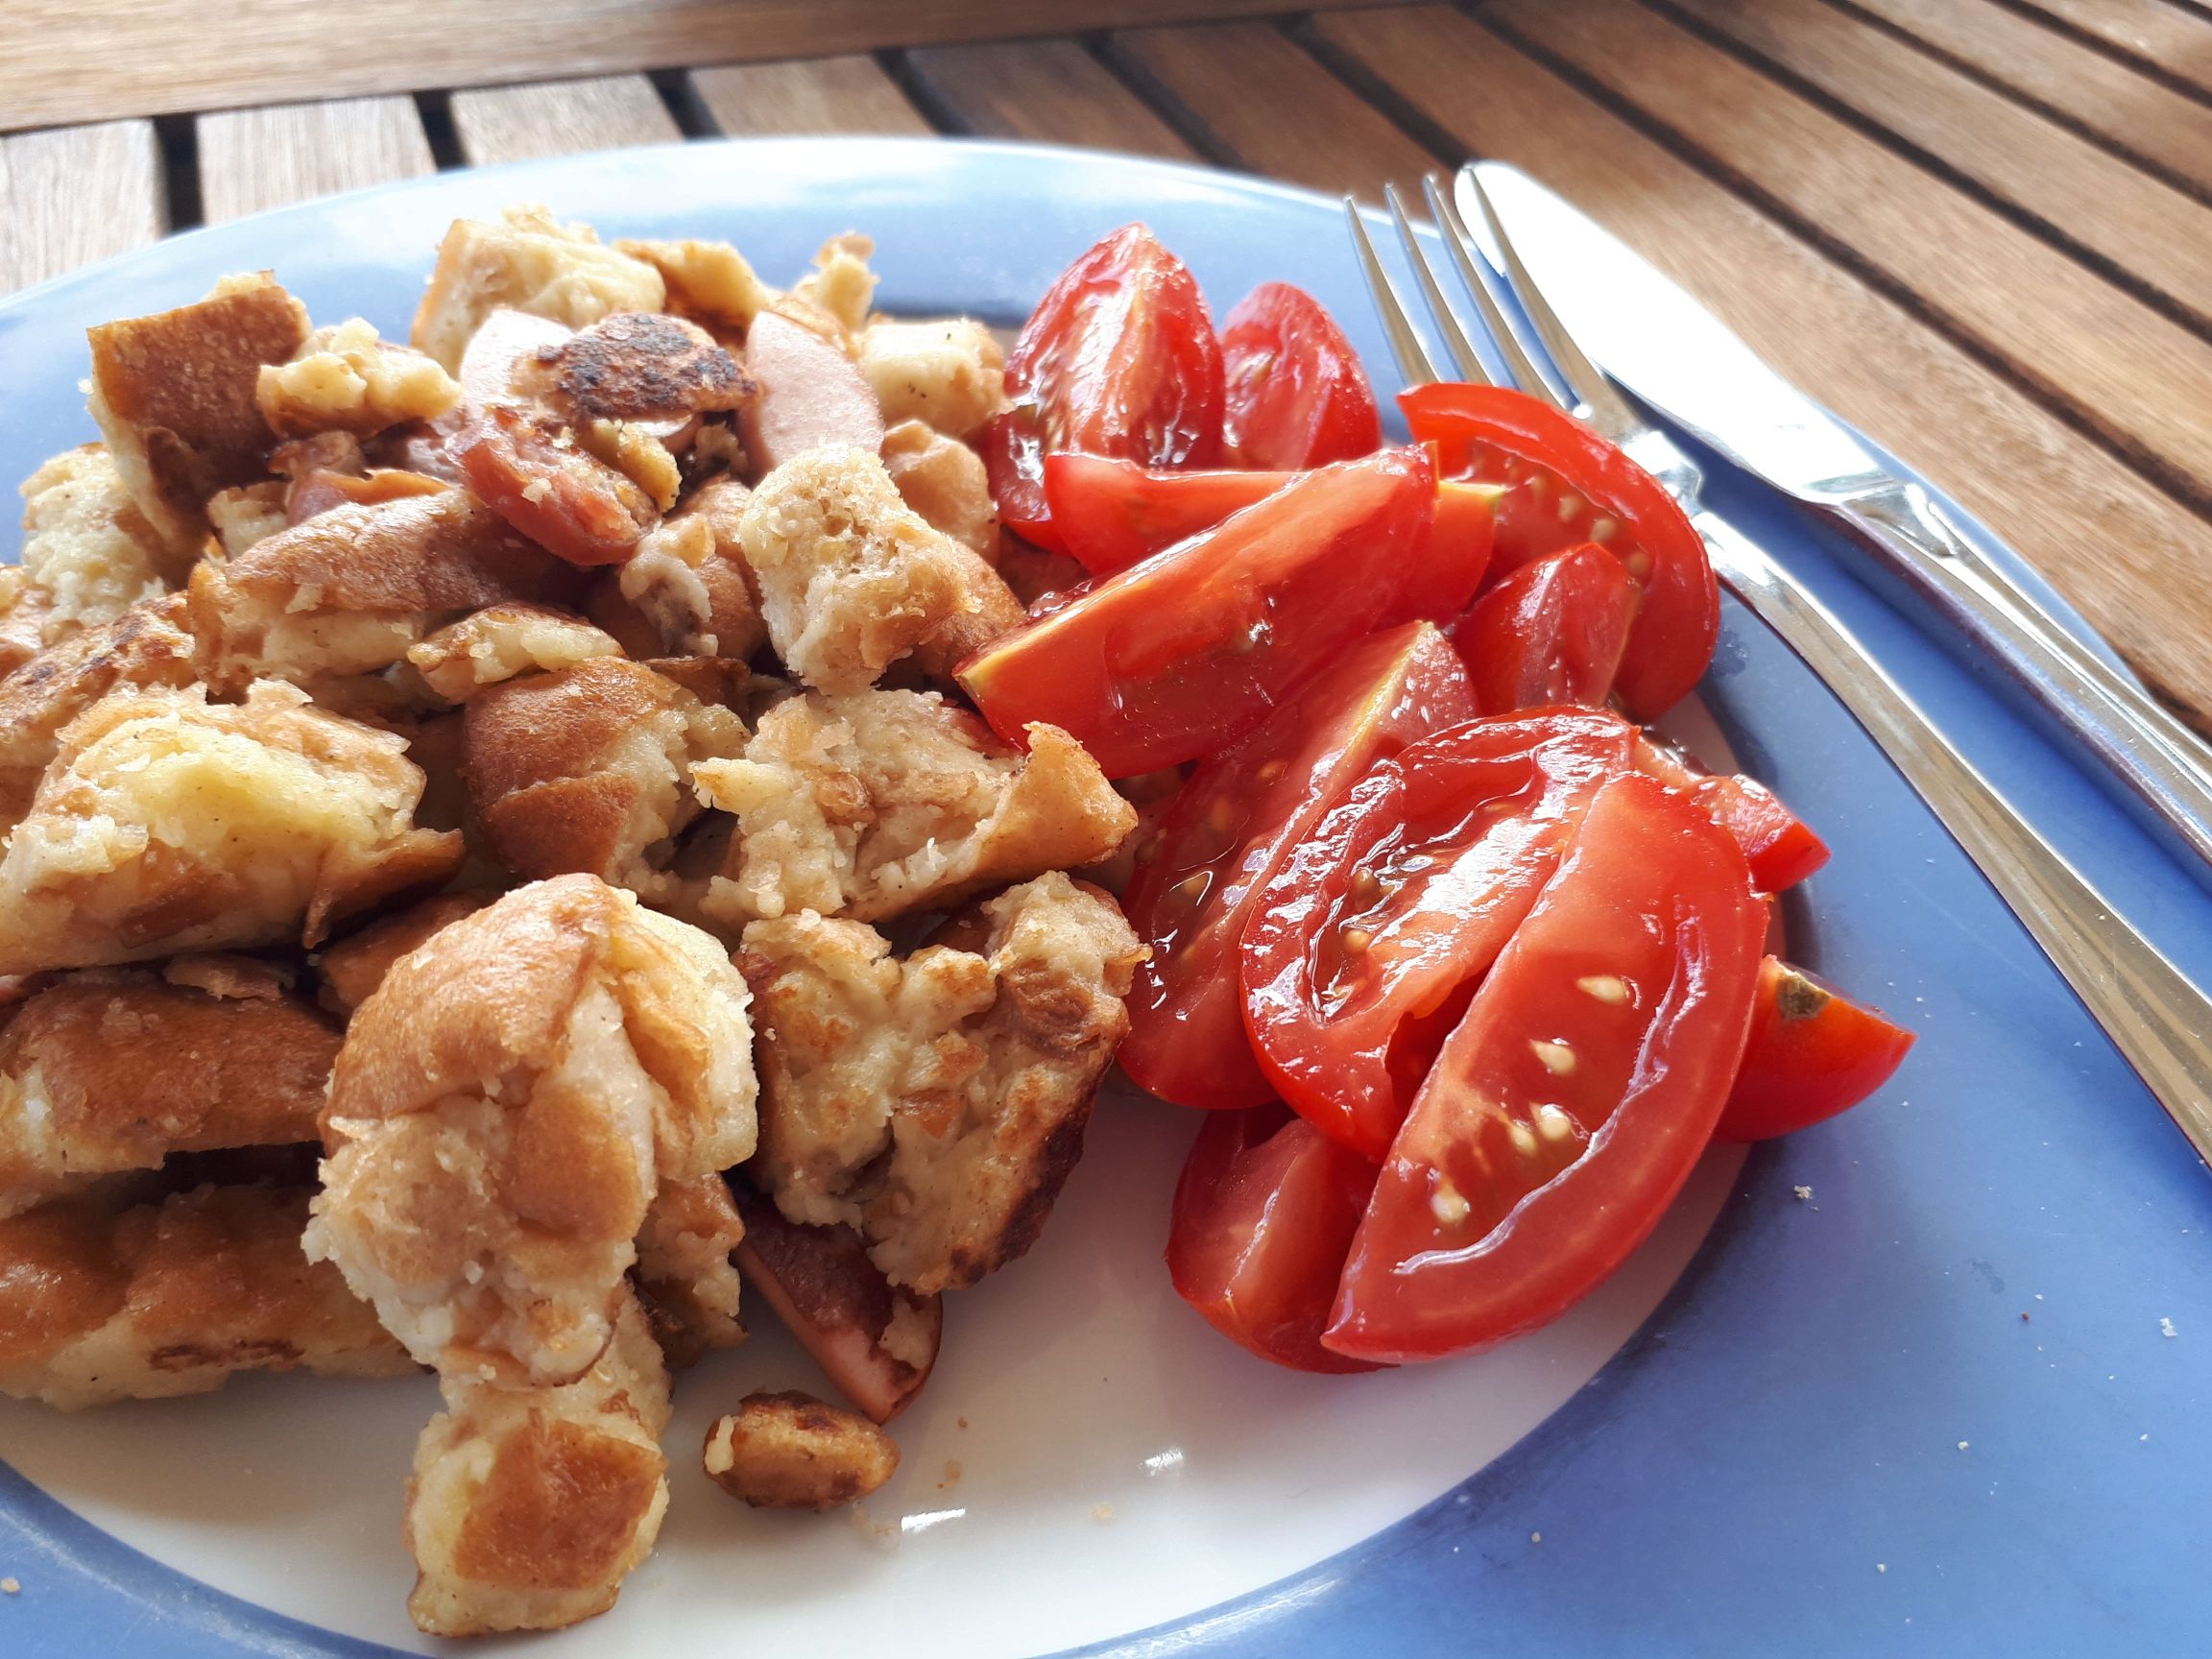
(1414, 363)
(1455, 339)
(1582, 378)
(1528, 367)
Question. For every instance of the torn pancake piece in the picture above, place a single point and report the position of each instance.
(88, 552)
(789, 1451)
(686, 1276)
(526, 260)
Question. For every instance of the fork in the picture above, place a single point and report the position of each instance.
(2159, 1022)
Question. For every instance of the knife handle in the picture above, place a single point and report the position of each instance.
(2160, 1022)
(2164, 764)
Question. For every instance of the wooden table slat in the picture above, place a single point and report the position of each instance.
(46, 179)
(1049, 91)
(2165, 129)
(560, 118)
(2083, 343)
(2175, 41)
(2105, 205)
(1270, 108)
(63, 60)
(254, 158)
(2109, 539)
(852, 93)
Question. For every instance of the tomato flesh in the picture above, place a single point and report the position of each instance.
(1782, 848)
(1110, 515)
(1403, 895)
(1552, 632)
(1814, 1052)
(1571, 1101)
(1263, 1213)
(1566, 484)
(1118, 359)
(1179, 655)
(1195, 893)
(1295, 395)
(1450, 570)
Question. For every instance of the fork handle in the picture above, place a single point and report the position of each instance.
(2160, 1022)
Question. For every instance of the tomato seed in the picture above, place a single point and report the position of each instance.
(1608, 988)
(1558, 1059)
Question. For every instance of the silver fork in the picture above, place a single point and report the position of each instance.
(2159, 1022)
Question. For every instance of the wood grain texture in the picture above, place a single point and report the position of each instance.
(2128, 553)
(2106, 206)
(256, 159)
(560, 118)
(1269, 107)
(847, 94)
(2175, 41)
(64, 61)
(46, 179)
(2080, 340)
(2163, 128)
(1050, 91)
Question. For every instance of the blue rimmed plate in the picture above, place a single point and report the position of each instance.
(1927, 1376)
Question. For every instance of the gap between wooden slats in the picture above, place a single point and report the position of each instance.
(48, 179)
(847, 94)
(2118, 546)
(2102, 97)
(254, 158)
(560, 118)
(1049, 91)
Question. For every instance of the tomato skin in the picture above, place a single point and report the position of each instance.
(1295, 395)
(1783, 850)
(575, 506)
(1499, 435)
(1193, 894)
(1179, 655)
(1813, 1053)
(1263, 1213)
(1571, 1104)
(1110, 515)
(1118, 359)
(1552, 632)
(1431, 860)
(1444, 580)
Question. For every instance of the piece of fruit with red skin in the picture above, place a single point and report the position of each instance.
(1783, 850)
(1568, 485)
(1449, 571)
(571, 504)
(1110, 515)
(1195, 890)
(1574, 1098)
(1295, 395)
(1178, 657)
(1813, 1053)
(1118, 359)
(1263, 1213)
(1400, 898)
(1551, 633)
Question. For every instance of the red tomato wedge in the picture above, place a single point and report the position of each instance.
(1569, 1106)
(1567, 486)
(1263, 1215)
(1110, 515)
(1814, 1052)
(1193, 896)
(1553, 631)
(575, 506)
(1450, 570)
(1184, 654)
(1295, 395)
(1118, 359)
(1782, 848)
(1401, 897)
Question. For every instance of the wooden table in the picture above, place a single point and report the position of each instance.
(1980, 229)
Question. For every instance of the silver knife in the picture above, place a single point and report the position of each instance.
(1672, 352)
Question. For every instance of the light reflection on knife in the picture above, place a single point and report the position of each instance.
(1669, 352)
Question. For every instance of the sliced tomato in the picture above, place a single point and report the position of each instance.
(1814, 1052)
(571, 504)
(1110, 515)
(1569, 1106)
(1782, 848)
(1553, 631)
(1402, 896)
(1118, 359)
(1566, 484)
(1263, 1215)
(1195, 892)
(1450, 570)
(1295, 395)
(1179, 655)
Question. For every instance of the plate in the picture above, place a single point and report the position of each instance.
(1933, 1374)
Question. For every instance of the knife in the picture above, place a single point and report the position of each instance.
(1673, 353)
